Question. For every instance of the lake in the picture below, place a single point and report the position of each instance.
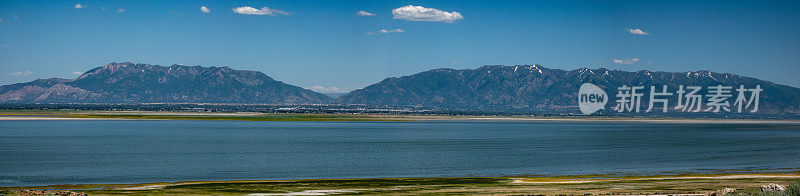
(43, 152)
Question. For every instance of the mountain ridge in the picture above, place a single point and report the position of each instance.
(144, 83)
(534, 88)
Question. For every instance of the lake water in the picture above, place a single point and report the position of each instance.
(114, 151)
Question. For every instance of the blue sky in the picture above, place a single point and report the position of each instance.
(328, 45)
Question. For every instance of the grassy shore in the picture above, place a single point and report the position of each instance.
(745, 184)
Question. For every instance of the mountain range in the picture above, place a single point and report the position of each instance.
(524, 88)
(144, 83)
(533, 88)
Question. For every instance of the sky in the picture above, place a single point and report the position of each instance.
(339, 46)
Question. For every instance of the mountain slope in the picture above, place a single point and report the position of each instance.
(144, 83)
(535, 88)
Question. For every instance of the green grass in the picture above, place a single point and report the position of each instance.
(365, 186)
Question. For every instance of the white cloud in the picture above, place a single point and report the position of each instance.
(322, 89)
(387, 31)
(391, 31)
(120, 10)
(20, 73)
(364, 13)
(204, 9)
(103, 8)
(626, 61)
(419, 13)
(637, 32)
(79, 6)
(263, 11)
(77, 73)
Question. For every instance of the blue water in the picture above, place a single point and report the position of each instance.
(69, 152)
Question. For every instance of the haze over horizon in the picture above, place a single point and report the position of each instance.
(340, 46)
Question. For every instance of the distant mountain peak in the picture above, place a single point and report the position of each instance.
(122, 65)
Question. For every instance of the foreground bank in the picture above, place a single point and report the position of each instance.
(745, 184)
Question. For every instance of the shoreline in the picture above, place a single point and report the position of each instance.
(149, 115)
(477, 120)
(546, 185)
(645, 120)
(4, 118)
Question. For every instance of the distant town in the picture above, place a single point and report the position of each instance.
(366, 109)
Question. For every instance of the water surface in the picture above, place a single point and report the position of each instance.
(118, 151)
